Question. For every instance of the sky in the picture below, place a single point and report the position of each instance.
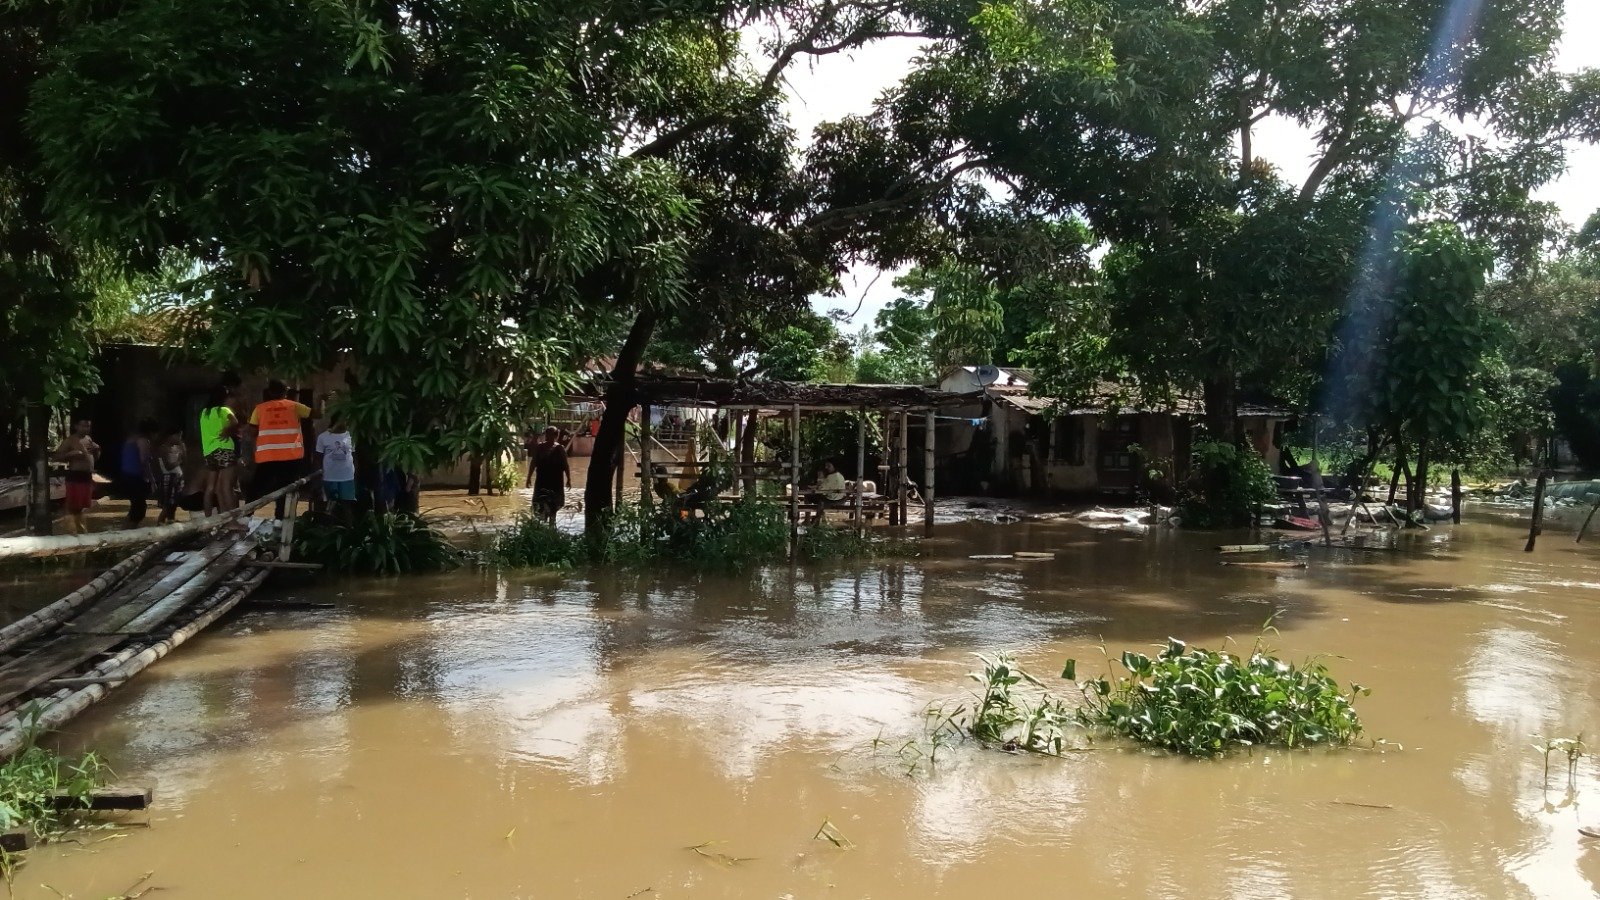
(843, 85)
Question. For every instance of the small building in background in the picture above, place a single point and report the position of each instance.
(1010, 442)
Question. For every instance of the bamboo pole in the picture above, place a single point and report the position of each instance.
(738, 453)
(286, 538)
(14, 737)
(203, 580)
(928, 464)
(1536, 527)
(42, 620)
(861, 466)
(86, 543)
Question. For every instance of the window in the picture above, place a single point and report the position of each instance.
(1066, 444)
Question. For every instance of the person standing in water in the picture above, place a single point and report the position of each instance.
(552, 475)
(219, 428)
(137, 471)
(280, 445)
(79, 452)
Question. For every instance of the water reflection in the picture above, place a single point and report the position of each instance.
(570, 735)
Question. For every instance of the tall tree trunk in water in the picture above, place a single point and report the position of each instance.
(747, 448)
(608, 440)
(1399, 468)
(474, 474)
(1222, 405)
(39, 519)
(1419, 482)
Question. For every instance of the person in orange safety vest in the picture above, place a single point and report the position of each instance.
(279, 441)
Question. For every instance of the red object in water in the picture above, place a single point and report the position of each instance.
(1298, 523)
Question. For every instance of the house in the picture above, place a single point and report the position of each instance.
(1011, 442)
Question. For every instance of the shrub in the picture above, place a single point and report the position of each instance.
(531, 542)
(1207, 702)
(370, 543)
(1227, 486)
(29, 779)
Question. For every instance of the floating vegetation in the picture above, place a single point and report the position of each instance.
(1196, 702)
(1572, 748)
(1207, 702)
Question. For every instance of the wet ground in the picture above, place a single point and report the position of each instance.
(576, 735)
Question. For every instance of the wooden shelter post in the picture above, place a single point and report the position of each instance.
(927, 476)
(646, 483)
(738, 452)
(861, 468)
(794, 480)
(902, 484)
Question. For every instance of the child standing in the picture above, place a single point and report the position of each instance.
(169, 477)
(338, 453)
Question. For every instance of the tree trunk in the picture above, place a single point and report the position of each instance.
(474, 474)
(40, 521)
(747, 449)
(1399, 469)
(1222, 405)
(1419, 481)
(609, 439)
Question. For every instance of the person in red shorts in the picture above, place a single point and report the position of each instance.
(79, 452)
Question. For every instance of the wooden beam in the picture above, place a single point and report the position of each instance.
(861, 465)
(1536, 527)
(16, 840)
(647, 481)
(280, 564)
(794, 481)
(928, 465)
(903, 486)
(105, 799)
(291, 511)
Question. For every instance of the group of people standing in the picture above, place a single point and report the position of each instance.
(151, 466)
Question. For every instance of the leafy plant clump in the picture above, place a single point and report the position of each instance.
(30, 780)
(1227, 487)
(532, 542)
(1013, 711)
(371, 543)
(1208, 702)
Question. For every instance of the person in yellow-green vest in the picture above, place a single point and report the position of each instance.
(219, 430)
(280, 442)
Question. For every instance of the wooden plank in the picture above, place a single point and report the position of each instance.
(280, 564)
(115, 797)
(16, 840)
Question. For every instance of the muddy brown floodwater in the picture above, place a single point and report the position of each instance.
(575, 735)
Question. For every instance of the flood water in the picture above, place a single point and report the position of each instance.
(575, 735)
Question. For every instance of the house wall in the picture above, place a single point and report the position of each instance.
(1258, 430)
(1065, 478)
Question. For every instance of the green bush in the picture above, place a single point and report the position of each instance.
(1208, 702)
(1227, 487)
(370, 543)
(29, 780)
(532, 542)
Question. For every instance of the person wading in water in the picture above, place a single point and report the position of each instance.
(551, 475)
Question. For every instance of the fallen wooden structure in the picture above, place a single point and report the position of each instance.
(57, 661)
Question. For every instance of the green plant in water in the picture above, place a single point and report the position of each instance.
(1208, 702)
(371, 543)
(532, 542)
(1013, 711)
(1572, 748)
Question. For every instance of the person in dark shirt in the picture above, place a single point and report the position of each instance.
(551, 475)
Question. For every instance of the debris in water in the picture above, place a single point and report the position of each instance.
(831, 833)
(718, 857)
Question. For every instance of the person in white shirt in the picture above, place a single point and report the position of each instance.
(338, 453)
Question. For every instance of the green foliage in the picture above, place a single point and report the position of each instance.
(1030, 719)
(371, 543)
(533, 543)
(1209, 702)
(504, 474)
(1228, 485)
(29, 779)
